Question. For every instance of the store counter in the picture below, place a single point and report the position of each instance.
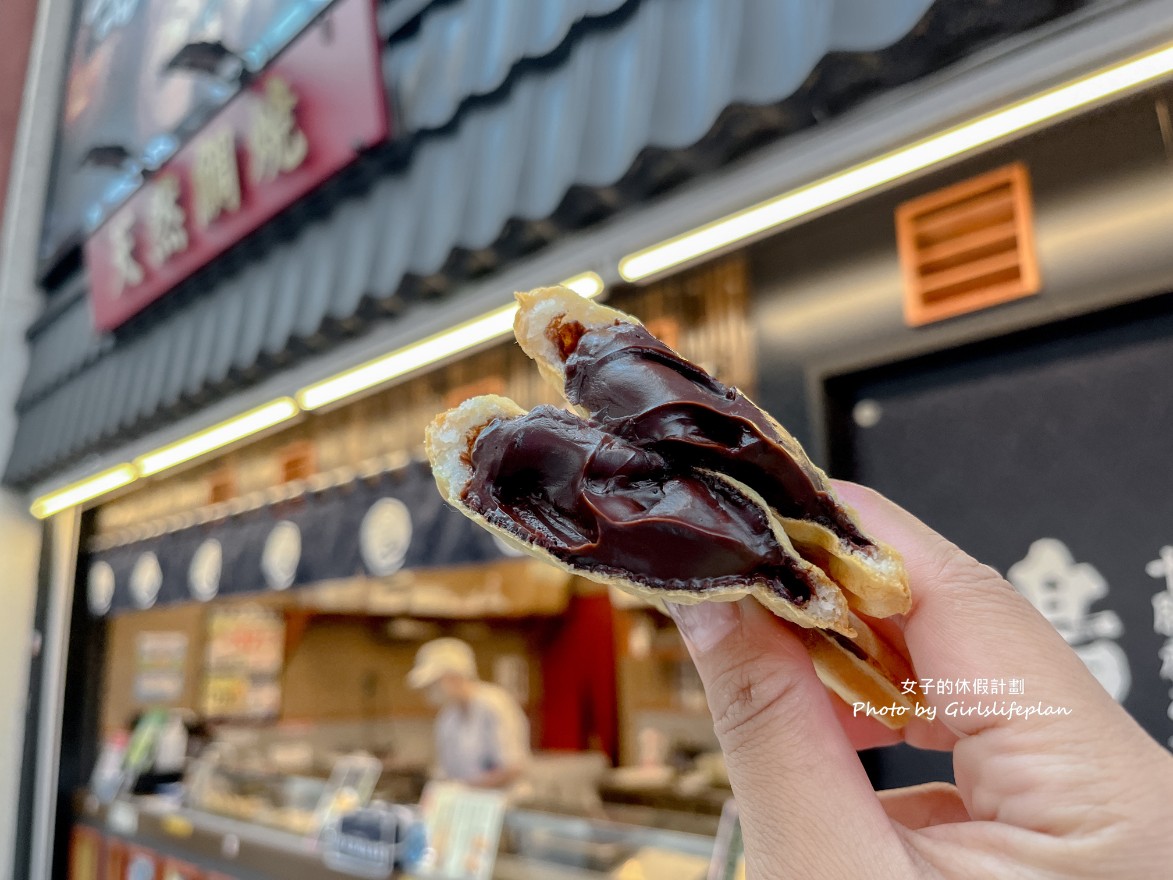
(120, 840)
(705, 801)
(148, 838)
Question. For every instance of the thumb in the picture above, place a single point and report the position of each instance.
(800, 788)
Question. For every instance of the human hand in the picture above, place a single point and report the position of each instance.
(1088, 794)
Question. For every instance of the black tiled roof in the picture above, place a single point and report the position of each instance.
(521, 120)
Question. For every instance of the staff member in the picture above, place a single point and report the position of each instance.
(482, 734)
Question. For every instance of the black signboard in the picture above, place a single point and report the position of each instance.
(144, 75)
(1051, 460)
(370, 527)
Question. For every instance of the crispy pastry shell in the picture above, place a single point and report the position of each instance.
(873, 578)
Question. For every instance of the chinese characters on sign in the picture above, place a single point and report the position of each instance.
(275, 146)
(127, 270)
(166, 221)
(1162, 567)
(316, 107)
(1064, 592)
(215, 179)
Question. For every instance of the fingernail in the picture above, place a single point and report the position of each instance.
(706, 624)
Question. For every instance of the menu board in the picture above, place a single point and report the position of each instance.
(463, 831)
(242, 664)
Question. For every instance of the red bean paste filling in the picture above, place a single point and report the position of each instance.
(637, 388)
(603, 504)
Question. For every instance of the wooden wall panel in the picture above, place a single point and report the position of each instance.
(348, 670)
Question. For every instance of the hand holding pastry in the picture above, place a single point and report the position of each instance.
(665, 483)
(1078, 795)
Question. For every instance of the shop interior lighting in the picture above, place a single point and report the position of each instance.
(918, 156)
(218, 436)
(84, 490)
(485, 328)
(588, 284)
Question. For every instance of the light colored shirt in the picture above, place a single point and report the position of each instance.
(489, 733)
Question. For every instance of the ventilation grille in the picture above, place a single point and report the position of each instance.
(222, 485)
(666, 329)
(297, 461)
(968, 247)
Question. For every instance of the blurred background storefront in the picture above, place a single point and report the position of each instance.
(258, 245)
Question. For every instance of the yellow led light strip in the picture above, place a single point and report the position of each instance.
(217, 437)
(498, 322)
(484, 328)
(200, 443)
(857, 180)
(884, 169)
(84, 490)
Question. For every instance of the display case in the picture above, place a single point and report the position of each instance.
(548, 846)
(172, 842)
(248, 785)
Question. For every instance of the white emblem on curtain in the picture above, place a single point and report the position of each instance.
(281, 555)
(100, 588)
(203, 577)
(145, 580)
(384, 536)
(506, 548)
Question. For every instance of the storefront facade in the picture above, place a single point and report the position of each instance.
(569, 146)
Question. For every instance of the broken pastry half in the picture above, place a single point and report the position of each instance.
(667, 484)
(633, 386)
(560, 488)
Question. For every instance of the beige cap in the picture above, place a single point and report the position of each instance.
(440, 657)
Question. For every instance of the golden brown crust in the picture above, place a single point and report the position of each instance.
(874, 679)
(873, 578)
(537, 309)
(876, 583)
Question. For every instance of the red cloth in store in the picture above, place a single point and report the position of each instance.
(578, 680)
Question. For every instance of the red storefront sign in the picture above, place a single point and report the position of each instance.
(315, 108)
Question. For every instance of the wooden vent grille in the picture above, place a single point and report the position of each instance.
(968, 247)
(297, 461)
(222, 485)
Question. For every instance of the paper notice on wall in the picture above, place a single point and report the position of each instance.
(242, 664)
(160, 661)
